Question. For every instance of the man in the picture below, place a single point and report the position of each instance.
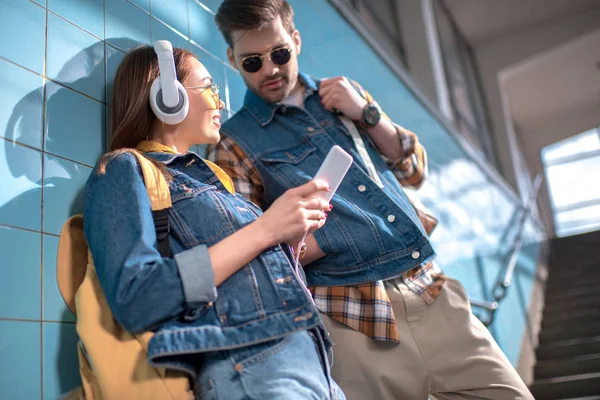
(402, 329)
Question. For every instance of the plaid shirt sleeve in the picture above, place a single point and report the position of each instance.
(232, 159)
(411, 168)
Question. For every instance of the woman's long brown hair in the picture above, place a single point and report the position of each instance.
(131, 117)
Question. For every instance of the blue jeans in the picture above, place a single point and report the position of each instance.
(292, 368)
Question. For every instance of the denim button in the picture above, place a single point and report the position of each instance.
(361, 188)
(283, 109)
(391, 218)
(416, 254)
(310, 129)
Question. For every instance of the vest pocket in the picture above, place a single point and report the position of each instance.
(292, 166)
(292, 155)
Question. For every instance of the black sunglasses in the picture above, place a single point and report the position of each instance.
(279, 56)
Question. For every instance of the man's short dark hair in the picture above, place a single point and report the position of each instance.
(252, 15)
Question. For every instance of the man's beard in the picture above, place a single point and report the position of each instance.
(275, 96)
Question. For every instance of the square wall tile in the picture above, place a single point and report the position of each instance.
(162, 32)
(172, 12)
(113, 59)
(236, 89)
(145, 4)
(21, 194)
(126, 25)
(213, 5)
(88, 14)
(21, 111)
(55, 308)
(107, 130)
(61, 365)
(75, 58)
(20, 274)
(215, 68)
(20, 372)
(63, 193)
(204, 31)
(74, 125)
(23, 29)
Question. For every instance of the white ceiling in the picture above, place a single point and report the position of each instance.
(556, 94)
(486, 20)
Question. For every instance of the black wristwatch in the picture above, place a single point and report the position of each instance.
(370, 116)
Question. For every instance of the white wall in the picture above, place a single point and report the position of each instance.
(498, 54)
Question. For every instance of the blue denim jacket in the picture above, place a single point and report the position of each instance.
(372, 233)
(176, 297)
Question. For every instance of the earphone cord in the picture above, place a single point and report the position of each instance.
(297, 264)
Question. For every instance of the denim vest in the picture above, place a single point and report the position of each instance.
(372, 233)
(260, 302)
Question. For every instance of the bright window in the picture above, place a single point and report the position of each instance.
(572, 173)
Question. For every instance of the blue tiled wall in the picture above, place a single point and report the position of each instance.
(57, 62)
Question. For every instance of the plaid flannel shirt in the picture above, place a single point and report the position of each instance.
(365, 308)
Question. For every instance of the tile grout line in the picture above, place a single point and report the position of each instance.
(43, 75)
(52, 321)
(189, 27)
(138, 6)
(74, 24)
(106, 136)
(28, 230)
(150, 19)
(189, 39)
(47, 153)
(44, 117)
(204, 7)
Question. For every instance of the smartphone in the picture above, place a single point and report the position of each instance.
(334, 168)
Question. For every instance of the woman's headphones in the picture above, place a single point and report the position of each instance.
(168, 98)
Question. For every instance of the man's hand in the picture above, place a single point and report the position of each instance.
(338, 95)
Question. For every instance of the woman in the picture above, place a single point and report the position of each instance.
(227, 308)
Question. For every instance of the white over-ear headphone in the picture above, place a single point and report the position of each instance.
(168, 98)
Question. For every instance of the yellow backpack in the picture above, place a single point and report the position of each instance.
(113, 362)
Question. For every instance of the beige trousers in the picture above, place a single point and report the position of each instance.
(445, 352)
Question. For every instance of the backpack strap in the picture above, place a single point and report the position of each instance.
(71, 260)
(160, 198)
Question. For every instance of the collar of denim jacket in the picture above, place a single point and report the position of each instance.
(263, 111)
(164, 154)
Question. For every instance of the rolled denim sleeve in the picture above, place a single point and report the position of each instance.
(197, 275)
(142, 288)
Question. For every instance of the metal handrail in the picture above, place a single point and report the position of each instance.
(501, 287)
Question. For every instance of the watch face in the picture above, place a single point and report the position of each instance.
(371, 115)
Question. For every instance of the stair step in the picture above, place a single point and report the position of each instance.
(581, 317)
(564, 332)
(569, 294)
(585, 268)
(567, 306)
(588, 238)
(571, 304)
(568, 348)
(566, 387)
(570, 366)
(582, 250)
(561, 283)
(593, 313)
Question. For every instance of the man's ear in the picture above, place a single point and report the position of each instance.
(231, 58)
(297, 40)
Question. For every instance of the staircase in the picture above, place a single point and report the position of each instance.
(568, 353)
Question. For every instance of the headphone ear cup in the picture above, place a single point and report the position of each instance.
(169, 115)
